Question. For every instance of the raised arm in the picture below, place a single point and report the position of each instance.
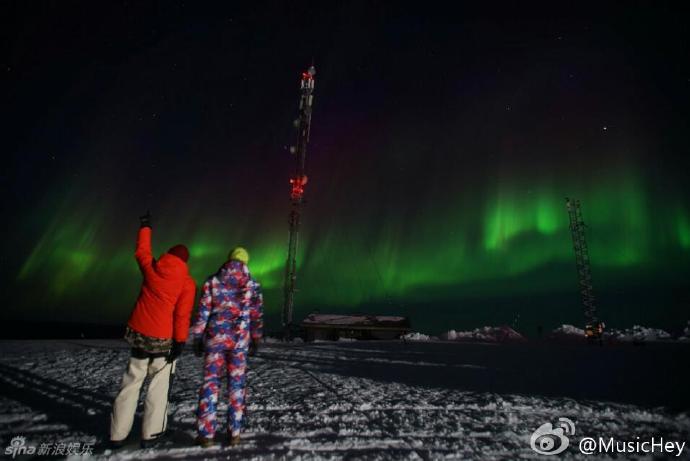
(143, 253)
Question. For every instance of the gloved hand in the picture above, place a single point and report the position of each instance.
(175, 351)
(145, 221)
(253, 347)
(199, 347)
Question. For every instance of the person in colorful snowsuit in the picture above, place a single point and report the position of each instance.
(227, 328)
(157, 330)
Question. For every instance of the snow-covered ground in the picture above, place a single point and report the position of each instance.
(365, 400)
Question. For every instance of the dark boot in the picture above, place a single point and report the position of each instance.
(116, 444)
(203, 442)
(150, 443)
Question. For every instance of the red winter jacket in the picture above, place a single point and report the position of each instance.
(164, 306)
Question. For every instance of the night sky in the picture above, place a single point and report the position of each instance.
(444, 143)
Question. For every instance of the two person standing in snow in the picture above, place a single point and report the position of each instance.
(227, 328)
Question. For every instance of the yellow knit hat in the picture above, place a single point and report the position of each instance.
(239, 254)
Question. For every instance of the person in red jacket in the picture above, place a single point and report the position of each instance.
(157, 331)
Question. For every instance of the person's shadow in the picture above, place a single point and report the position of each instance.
(80, 409)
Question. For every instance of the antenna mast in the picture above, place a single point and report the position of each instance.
(297, 182)
(593, 327)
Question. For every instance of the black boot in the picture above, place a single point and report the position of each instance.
(203, 442)
(150, 443)
(116, 444)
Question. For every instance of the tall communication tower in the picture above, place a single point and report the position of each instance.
(297, 182)
(593, 327)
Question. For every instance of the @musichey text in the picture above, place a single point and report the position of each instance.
(552, 439)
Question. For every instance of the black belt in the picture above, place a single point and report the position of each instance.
(139, 353)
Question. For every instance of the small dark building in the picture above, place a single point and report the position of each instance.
(357, 326)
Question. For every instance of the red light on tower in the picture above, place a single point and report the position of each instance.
(298, 184)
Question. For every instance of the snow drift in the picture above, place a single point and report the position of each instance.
(488, 334)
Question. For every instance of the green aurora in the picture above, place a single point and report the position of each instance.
(444, 252)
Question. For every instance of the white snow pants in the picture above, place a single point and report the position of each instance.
(156, 403)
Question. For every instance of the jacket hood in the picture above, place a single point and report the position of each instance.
(169, 265)
(232, 269)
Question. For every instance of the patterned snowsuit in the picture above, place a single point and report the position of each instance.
(230, 313)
